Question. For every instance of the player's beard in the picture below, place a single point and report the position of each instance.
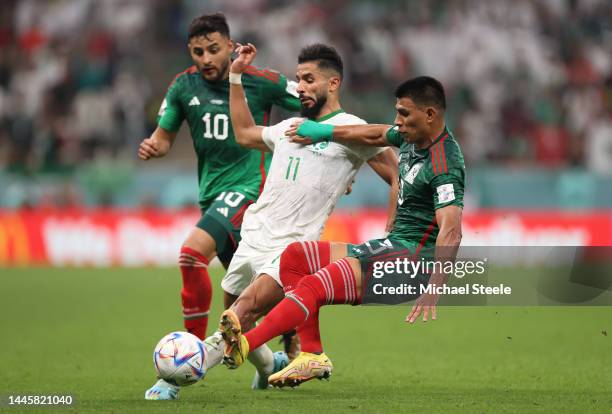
(313, 111)
(221, 70)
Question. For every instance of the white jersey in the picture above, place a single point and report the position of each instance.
(303, 185)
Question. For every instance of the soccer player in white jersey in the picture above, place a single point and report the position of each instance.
(304, 184)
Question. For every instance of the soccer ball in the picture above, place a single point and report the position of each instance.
(179, 358)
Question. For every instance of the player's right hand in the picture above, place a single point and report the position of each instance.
(148, 149)
(246, 55)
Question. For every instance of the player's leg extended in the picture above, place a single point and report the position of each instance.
(301, 259)
(254, 302)
(196, 252)
(257, 300)
(336, 283)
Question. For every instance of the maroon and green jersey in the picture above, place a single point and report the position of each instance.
(429, 179)
(223, 164)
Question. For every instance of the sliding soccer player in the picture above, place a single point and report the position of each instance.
(429, 207)
(303, 186)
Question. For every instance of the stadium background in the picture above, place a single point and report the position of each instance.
(529, 87)
(529, 90)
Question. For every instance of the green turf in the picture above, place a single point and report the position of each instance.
(91, 333)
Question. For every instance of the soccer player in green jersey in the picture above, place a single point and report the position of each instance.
(230, 176)
(429, 206)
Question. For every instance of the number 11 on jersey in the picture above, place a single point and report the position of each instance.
(295, 166)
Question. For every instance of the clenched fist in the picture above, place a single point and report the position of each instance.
(148, 149)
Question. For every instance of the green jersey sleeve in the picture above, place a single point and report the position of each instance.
(448, 169)
(286, 95)
(394, 137)
(171, 115)
(275, 87)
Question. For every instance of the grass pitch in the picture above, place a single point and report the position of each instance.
(91, 333)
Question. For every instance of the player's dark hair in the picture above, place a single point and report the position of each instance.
(326, 57)
(207, 24)
(423, 91)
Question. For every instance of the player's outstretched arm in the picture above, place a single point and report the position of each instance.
(157, 145)
(307, 132)
(248, 134)
(385, 165)
(447, 244)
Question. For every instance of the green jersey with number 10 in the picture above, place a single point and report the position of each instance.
(223, 164)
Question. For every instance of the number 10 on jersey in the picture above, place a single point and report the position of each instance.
(292, 168)
(219, 125)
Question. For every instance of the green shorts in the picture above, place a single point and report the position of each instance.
(222, 219)
(377, 257)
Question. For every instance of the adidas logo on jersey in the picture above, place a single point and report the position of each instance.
(194, 101)
(223, 210)
(216, 101)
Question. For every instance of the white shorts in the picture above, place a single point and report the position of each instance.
(248, 263)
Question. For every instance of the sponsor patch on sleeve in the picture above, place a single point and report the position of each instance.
(446, 193)
(291, 88)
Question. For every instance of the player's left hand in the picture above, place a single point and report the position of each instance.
(423, 305)
(426, 303)
(314, 131)
(246, 55)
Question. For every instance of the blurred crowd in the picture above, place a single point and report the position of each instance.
(528, 82)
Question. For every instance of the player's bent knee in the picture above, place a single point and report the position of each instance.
(356, 267)
(313, 283)
(293, 265)
(202, 242)
(290, 254)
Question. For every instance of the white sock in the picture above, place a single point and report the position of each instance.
(263, 359)
(215, 347)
